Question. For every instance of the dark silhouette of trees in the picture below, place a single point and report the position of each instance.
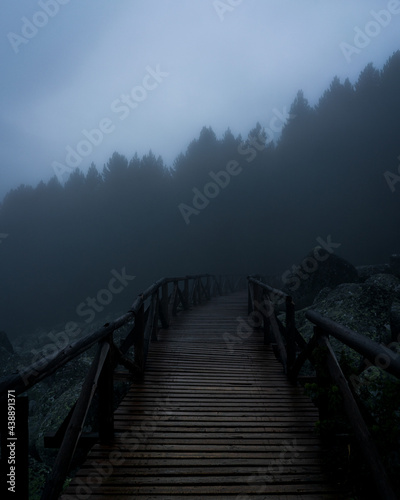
(323, 176)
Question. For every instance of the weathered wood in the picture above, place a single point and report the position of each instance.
(106, 397)
(250, 298)
(182, 300)
(54, 439)
(370, 452)
(164, 303)
(192, 295)
(267, 288)
(61, 465)
(47, 366)
(378, 354)
(290, 333)
(207, 423)
(278, 338)
(138, 344)
(86, 440)
(154, 332)
(208, 288)
(204, 289)
(268, 336)
(186, 294)
(151, 325)
(121, 359)
(305, 354)
(217, 281)
(172, 302)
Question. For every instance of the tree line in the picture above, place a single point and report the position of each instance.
(227, 205)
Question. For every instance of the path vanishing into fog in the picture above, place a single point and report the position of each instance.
(214, 417)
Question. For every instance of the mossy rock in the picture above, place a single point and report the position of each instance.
(51, 401)
(8, 362)
(362, 307)
(365, 272)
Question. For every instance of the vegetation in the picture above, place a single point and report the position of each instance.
(328, 163)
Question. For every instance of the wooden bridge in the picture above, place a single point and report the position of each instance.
(211, 412)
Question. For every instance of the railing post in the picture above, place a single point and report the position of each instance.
(106, 397)
(154, 332)
(322, 376)
(186, 292)
(195, 298)
(290, 334)
(138, 342)
(208, 288)
(199, 289)
(164, 302)
(221, 285)
(250, 294)
(257, 297)
(268, 337)
(173, 305)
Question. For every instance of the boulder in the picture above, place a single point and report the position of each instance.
(365, 272)
(363, 307)
(319, 269)
(387, 282)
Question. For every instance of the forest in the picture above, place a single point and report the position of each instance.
(228, 205)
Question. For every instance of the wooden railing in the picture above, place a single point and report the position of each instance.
(293, 351)
(263, 300)
(157, 305)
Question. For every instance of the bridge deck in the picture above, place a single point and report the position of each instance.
(211, 420)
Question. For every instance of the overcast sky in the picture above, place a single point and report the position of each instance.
(179, 65)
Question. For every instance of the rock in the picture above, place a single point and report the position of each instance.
(8, 362)
(386, 282)
(395, 264)
(395, 321)
(365, 272)
(362, 307)
(53, 398)
(318, 270)
(322, 294)
(5, 342)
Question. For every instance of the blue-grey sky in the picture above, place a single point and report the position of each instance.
(67, 66)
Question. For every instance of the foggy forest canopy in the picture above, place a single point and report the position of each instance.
(333, 171)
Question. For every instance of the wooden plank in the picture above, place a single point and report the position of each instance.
(209, 422)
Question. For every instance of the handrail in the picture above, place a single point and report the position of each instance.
(163, 306)
(292, 364)
(270, 289)
(261, 298)
(363, 345)
(44, 368)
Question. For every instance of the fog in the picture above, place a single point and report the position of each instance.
(161, 138)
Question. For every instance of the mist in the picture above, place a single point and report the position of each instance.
(220, 138)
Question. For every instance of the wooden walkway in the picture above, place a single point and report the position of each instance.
(211, 421)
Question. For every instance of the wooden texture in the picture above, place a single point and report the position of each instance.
(378, 354)
(213, 418)
(360, 428)
(56, 478)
